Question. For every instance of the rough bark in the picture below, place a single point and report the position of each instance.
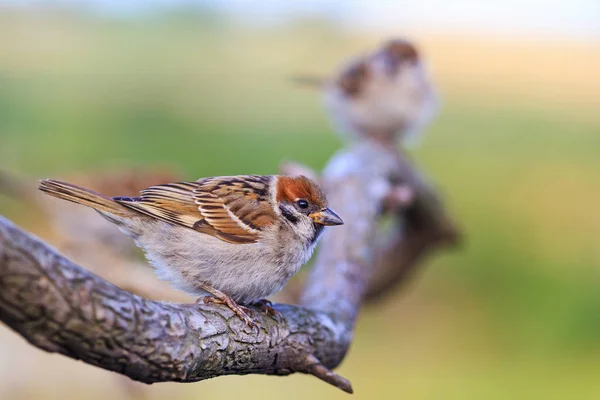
(61, 307)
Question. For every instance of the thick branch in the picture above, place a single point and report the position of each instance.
(60, 307)
(377, 179)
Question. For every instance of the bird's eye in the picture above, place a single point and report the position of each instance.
(302, 203)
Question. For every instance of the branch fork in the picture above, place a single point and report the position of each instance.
(61, 307)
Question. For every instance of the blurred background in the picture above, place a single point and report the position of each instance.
(204, 87)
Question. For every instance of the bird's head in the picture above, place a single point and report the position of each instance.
(303, 205)
(386, 94)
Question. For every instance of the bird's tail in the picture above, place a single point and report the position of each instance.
(86, 197)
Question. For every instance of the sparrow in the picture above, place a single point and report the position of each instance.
(234, 239)
(385, 95)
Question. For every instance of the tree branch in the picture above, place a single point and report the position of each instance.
(420, 228)
(60, 307)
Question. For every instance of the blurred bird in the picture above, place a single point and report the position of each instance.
(237, 238)
(386, 95)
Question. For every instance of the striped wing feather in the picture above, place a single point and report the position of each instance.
(233, 209)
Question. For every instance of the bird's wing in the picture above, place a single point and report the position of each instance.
(237, 206)
(233, 209)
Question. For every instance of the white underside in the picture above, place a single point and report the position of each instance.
(246, 272)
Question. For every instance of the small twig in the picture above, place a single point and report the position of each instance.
(317, 369)
(312, 81)
(399, 197)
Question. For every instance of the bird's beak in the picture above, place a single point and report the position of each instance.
(326, 216)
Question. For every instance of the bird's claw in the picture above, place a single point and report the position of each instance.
(266, 306)
(244, 313)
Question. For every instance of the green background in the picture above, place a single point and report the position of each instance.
(514, 312)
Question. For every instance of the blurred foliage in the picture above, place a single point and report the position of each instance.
(513, 313)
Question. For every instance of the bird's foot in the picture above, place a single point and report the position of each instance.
(244, 313)
(267, 307)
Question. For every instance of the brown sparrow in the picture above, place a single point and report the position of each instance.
(386, 95)
(239, 238)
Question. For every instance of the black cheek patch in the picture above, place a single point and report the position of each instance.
(288, 215)
(318, 231)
